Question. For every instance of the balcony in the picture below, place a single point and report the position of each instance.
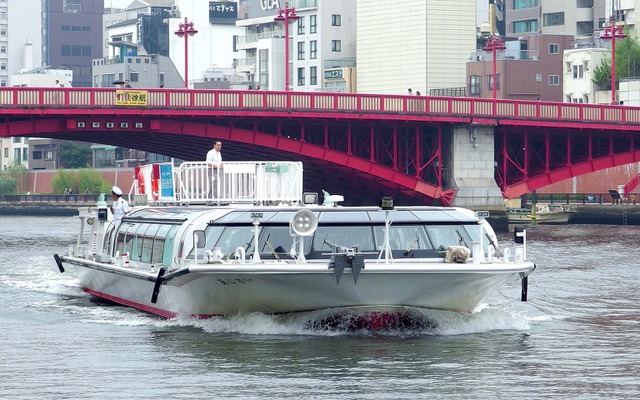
(251, 41)
(246, 64)
(531, 55)
(340, 63)
(303, 3)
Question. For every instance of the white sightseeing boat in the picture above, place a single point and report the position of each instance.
(272, 249)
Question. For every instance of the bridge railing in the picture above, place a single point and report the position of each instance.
(321, 102)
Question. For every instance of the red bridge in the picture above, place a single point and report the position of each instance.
(418, 149)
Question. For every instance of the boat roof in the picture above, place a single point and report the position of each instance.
(325, 215)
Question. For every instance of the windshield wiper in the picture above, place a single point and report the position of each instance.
(462, 241)
(248, 244)
(332, 245)
(271, 249)
(415, 241)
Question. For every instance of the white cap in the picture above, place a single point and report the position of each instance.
(116, 190)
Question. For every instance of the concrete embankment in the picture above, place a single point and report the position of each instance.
(607, 214)
(41, 209)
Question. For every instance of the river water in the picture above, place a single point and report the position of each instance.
(578, 337)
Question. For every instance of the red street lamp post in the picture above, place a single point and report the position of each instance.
(185, 30)
(613, 33)
(286, 15)
(493, 45)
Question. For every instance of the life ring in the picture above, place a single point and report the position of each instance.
(155, 193)
(141, 186)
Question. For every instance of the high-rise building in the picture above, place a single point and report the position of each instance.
(74, 36)
(418, 44)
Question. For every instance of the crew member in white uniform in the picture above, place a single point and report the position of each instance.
(120, 206)
(214, 162)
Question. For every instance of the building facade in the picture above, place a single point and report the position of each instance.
(581, 18)
(74, 36)
(423, 45)
(14, 150)
(111, 17)
(44, 153)
(214, 44)
(579, 65)
(322, 45)
(532, 74)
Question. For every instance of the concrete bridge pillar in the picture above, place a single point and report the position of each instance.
(472, 166)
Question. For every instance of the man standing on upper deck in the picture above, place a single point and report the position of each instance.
(120, 206)
(214, 164)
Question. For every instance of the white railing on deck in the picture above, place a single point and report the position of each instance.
(255, 182)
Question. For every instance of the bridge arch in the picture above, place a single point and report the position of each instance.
(530, 158)
(340, 160)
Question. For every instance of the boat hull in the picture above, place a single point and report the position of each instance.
(216, 290)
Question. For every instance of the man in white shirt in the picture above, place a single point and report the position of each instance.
(120, 206)
(214, 164)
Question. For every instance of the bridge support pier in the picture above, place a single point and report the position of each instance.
(472, 168)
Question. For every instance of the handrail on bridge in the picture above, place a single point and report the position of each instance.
(479, 110)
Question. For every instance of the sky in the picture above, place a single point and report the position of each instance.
(483, 7)
(483, 11)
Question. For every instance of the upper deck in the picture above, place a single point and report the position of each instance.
(253, 182)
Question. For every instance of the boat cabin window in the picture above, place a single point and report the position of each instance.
(272, 240)
(401, 237)
(408, 240)
(443, 236)
(150, 243)
(475, 232)
(326, 237)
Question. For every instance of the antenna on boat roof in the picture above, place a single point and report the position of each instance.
(256, 232)
(331, 200)
(386, 204)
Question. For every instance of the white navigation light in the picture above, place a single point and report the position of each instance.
(310, 198)
(386, 203)
(304, 223)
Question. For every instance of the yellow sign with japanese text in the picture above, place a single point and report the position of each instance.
(131, 98)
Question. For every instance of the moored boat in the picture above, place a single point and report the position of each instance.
(272, 251)
(545, 213)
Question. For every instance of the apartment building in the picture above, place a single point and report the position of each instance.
(574, 17)
(529, 69)
(322, 45)
(581, 18)
(578, 65)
